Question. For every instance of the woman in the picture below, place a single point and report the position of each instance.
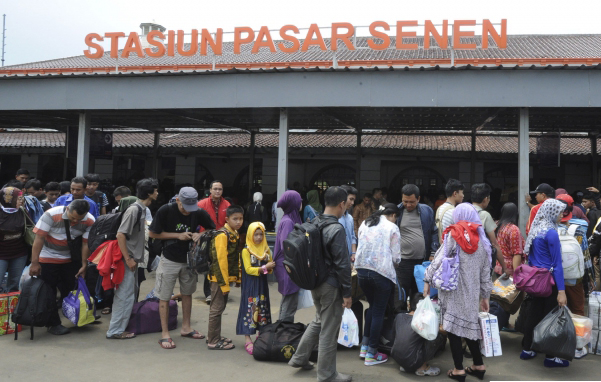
(13, 249)
(378, 253)
(313, 207)
(510, 238)
(290, 203)
(256, 212)
(544, 251)
(459, 307)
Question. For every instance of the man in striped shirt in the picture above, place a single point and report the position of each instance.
(444, 213)
(50, 254)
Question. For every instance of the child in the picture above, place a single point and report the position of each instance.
(224, 271)
(257, 262)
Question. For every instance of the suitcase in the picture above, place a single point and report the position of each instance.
(145, 317)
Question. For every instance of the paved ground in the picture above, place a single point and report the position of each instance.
(85, 355)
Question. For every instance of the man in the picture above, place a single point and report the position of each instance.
(480, 200)
(444, 214)
(53, 191)
(120, 193)
(32, 205)
(543, 192)
(347, 221)
(78, 188)
(34, 187)
(22, 175)
(131, 236)
(216, 206)
(92, 192)
(176, 224)
(384, 197)
(590, 201)
(377, 195)
(331, 297)
(419, 238)
(50, 254)
(363, 211)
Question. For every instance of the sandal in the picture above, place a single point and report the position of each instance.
(194, 334)
(225, 340)
(457, 377)
(430, 372)
(221, 345)
(122, 336)
(106, 311)
(169, 340)
(249, 347)
(476, 373)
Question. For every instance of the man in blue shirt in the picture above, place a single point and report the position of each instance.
(78, 189)
(347, 220)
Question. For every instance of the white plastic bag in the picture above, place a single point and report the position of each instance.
(305, 299)
(425, 320)
(24, 277)
(349, 330)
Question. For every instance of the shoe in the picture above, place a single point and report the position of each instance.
(475, 373)
(342, 378)
(581, 353)
(556, 362)
(371, 359)
(308, 366)
(402, 369)
(208, 300)
(58, 330)
(363, 351)
(429, 372)
(525, 355)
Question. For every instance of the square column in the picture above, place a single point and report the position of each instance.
(523, 168)
(282, 159)
(83, 144)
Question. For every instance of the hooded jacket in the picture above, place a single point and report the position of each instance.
(336, 256)
(427, 218)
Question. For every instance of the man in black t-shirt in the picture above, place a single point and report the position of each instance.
(176, 224)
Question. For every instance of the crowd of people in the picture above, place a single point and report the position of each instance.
(382, 241)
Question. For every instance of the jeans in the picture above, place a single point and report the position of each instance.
(377, 289)
(123, 303)
(288, 307)
(15, 270)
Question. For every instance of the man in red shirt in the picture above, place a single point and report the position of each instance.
(216, 206)
(543, 192)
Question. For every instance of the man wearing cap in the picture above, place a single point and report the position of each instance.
(543, 192)
(176, 224)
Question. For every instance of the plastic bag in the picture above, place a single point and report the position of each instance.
(555, 335)
(584, 328)
(155, 264)
(349, 330)
(24, 277)
(418, 272)
(305, 299)
(425, 320)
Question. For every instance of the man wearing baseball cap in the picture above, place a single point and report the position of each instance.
(543, 192)
(176, 224)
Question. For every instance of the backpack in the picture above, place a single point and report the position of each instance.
(303, 255)
(572, 257)
(440, 212)
(106, 226)
(199, 255)
(35, 306)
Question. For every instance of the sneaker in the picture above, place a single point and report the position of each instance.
(370, 359)
(581, 353)
(527, 354)
(58, 330)
(402, 369)
(556, 362)
(208, 300)
(363, 351)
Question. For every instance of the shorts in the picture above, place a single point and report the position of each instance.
(168, 272)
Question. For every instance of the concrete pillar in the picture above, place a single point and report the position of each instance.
(155, 155)
(523, 167)
(251, 166)
(473, 159)
(358, 172)
(282, 159)
(594, 172)
(83, 144)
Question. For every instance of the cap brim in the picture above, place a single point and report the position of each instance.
(566, 218)
(190, 207)
(535, 192)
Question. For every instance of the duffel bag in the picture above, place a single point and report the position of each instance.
(278, 341)
(145, 317)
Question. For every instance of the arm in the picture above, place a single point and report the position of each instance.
(437, 261)
(122, 240)
(552, 239)
(434, 239)
(250, 270)
(221, 249)
(85, 253)
(38, 243)
(494, 243)
(103, 211)
(395, 245)
(340, 258)
(356, 220)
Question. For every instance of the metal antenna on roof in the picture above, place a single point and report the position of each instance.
(3, 36)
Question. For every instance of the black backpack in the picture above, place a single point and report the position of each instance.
(278, 341)
(106, 226)
(36, 304)
(303, 255)
(199, 255)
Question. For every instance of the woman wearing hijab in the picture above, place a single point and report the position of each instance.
(290, 203)
(459, 307)
(510, 238)
(313, 207)
(13, 250)
(544, 251)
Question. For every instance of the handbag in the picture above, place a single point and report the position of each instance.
(278, 341)
(74, 244)
(28, 234)
(446, 277)
(78, 306)
(537, 282)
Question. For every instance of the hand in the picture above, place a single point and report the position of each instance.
(35, 269)
(561, 298)
(270, 265)
(185, 236)
(528, 198)
(593, 189)
(352, 258)
(347, 302)
(196, 237)
(508, 273)
(484, 306)
(82, 271)
(131, 263)
(426, 289)
(226, 293)
(431, 258)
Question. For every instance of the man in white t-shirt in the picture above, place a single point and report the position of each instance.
(444, 213)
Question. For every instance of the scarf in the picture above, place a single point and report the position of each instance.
(290, 203)
(545, 220)
(260, 251)
(468, 222)
(465, 234)
(9, 219)
(313, 199)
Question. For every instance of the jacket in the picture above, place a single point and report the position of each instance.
(426, 215)
(225, 257)
(337, 259)
(207, 205)
(111, 265)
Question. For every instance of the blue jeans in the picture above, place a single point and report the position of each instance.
(377, 289)
(15, 270)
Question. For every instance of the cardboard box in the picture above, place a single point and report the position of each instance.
(490, 345)
(8, 304)
(594, 309)
(7, 326)
(595, 345)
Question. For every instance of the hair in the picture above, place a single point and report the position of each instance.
(509, 215)
(350, 190)
(65, 187)
(414, 300)
(146, 187)
(122, 191)
(80, 180)
(588, 196)
(22, 171)
(52, 186)
(35, 183)
(334, 196)
(80, 206)
(480, 191)
(213, 182)
(93, 178)
(15, 183)
(410, 189)
(389, 209)
(453, 185)
(367, 195)
(376, 190)
(568, 208)
(234, 209)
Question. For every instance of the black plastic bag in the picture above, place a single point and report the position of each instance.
(555, 334)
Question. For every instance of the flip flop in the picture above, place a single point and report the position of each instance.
(163, 340)
(192, 334)
(225, 340)
(122, 336)
(249, 348)
(221, 345)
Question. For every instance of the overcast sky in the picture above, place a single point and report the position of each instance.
(43, 30)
